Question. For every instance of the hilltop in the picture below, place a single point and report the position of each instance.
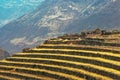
(95, 37)
(89, 55)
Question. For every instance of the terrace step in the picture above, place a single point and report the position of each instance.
(91, 60)
(82, 42)
(39, 72)
(81, 47)
(74, 71)
(95, 67)
(109, 56)
(70, 57)
(35, 50)
(3, 77)
(13, 75)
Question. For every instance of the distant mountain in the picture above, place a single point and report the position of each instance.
(57, 17)
(107, 18)
(12, 9)
(3, 54)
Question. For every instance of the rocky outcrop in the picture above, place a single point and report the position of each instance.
(3, 54)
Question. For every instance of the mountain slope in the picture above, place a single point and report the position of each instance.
(107, 18)
(53, 18)
(12, 9)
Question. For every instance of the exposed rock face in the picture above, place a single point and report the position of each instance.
(57, 17)
(3, 54)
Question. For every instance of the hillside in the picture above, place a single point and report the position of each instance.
(3, 54)
(57, 17)
(82, 56)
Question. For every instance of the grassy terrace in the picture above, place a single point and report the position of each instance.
(37, 55)
(83, 42)
(13, 75)
(3, 77)
(63, 64)
(81, 47)
(92, 60)
(75, 71)
(106, 55)
(66, 68)
(90, 69)
(39, 72)
(65, 58)
(116, 73)
(50, 55)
